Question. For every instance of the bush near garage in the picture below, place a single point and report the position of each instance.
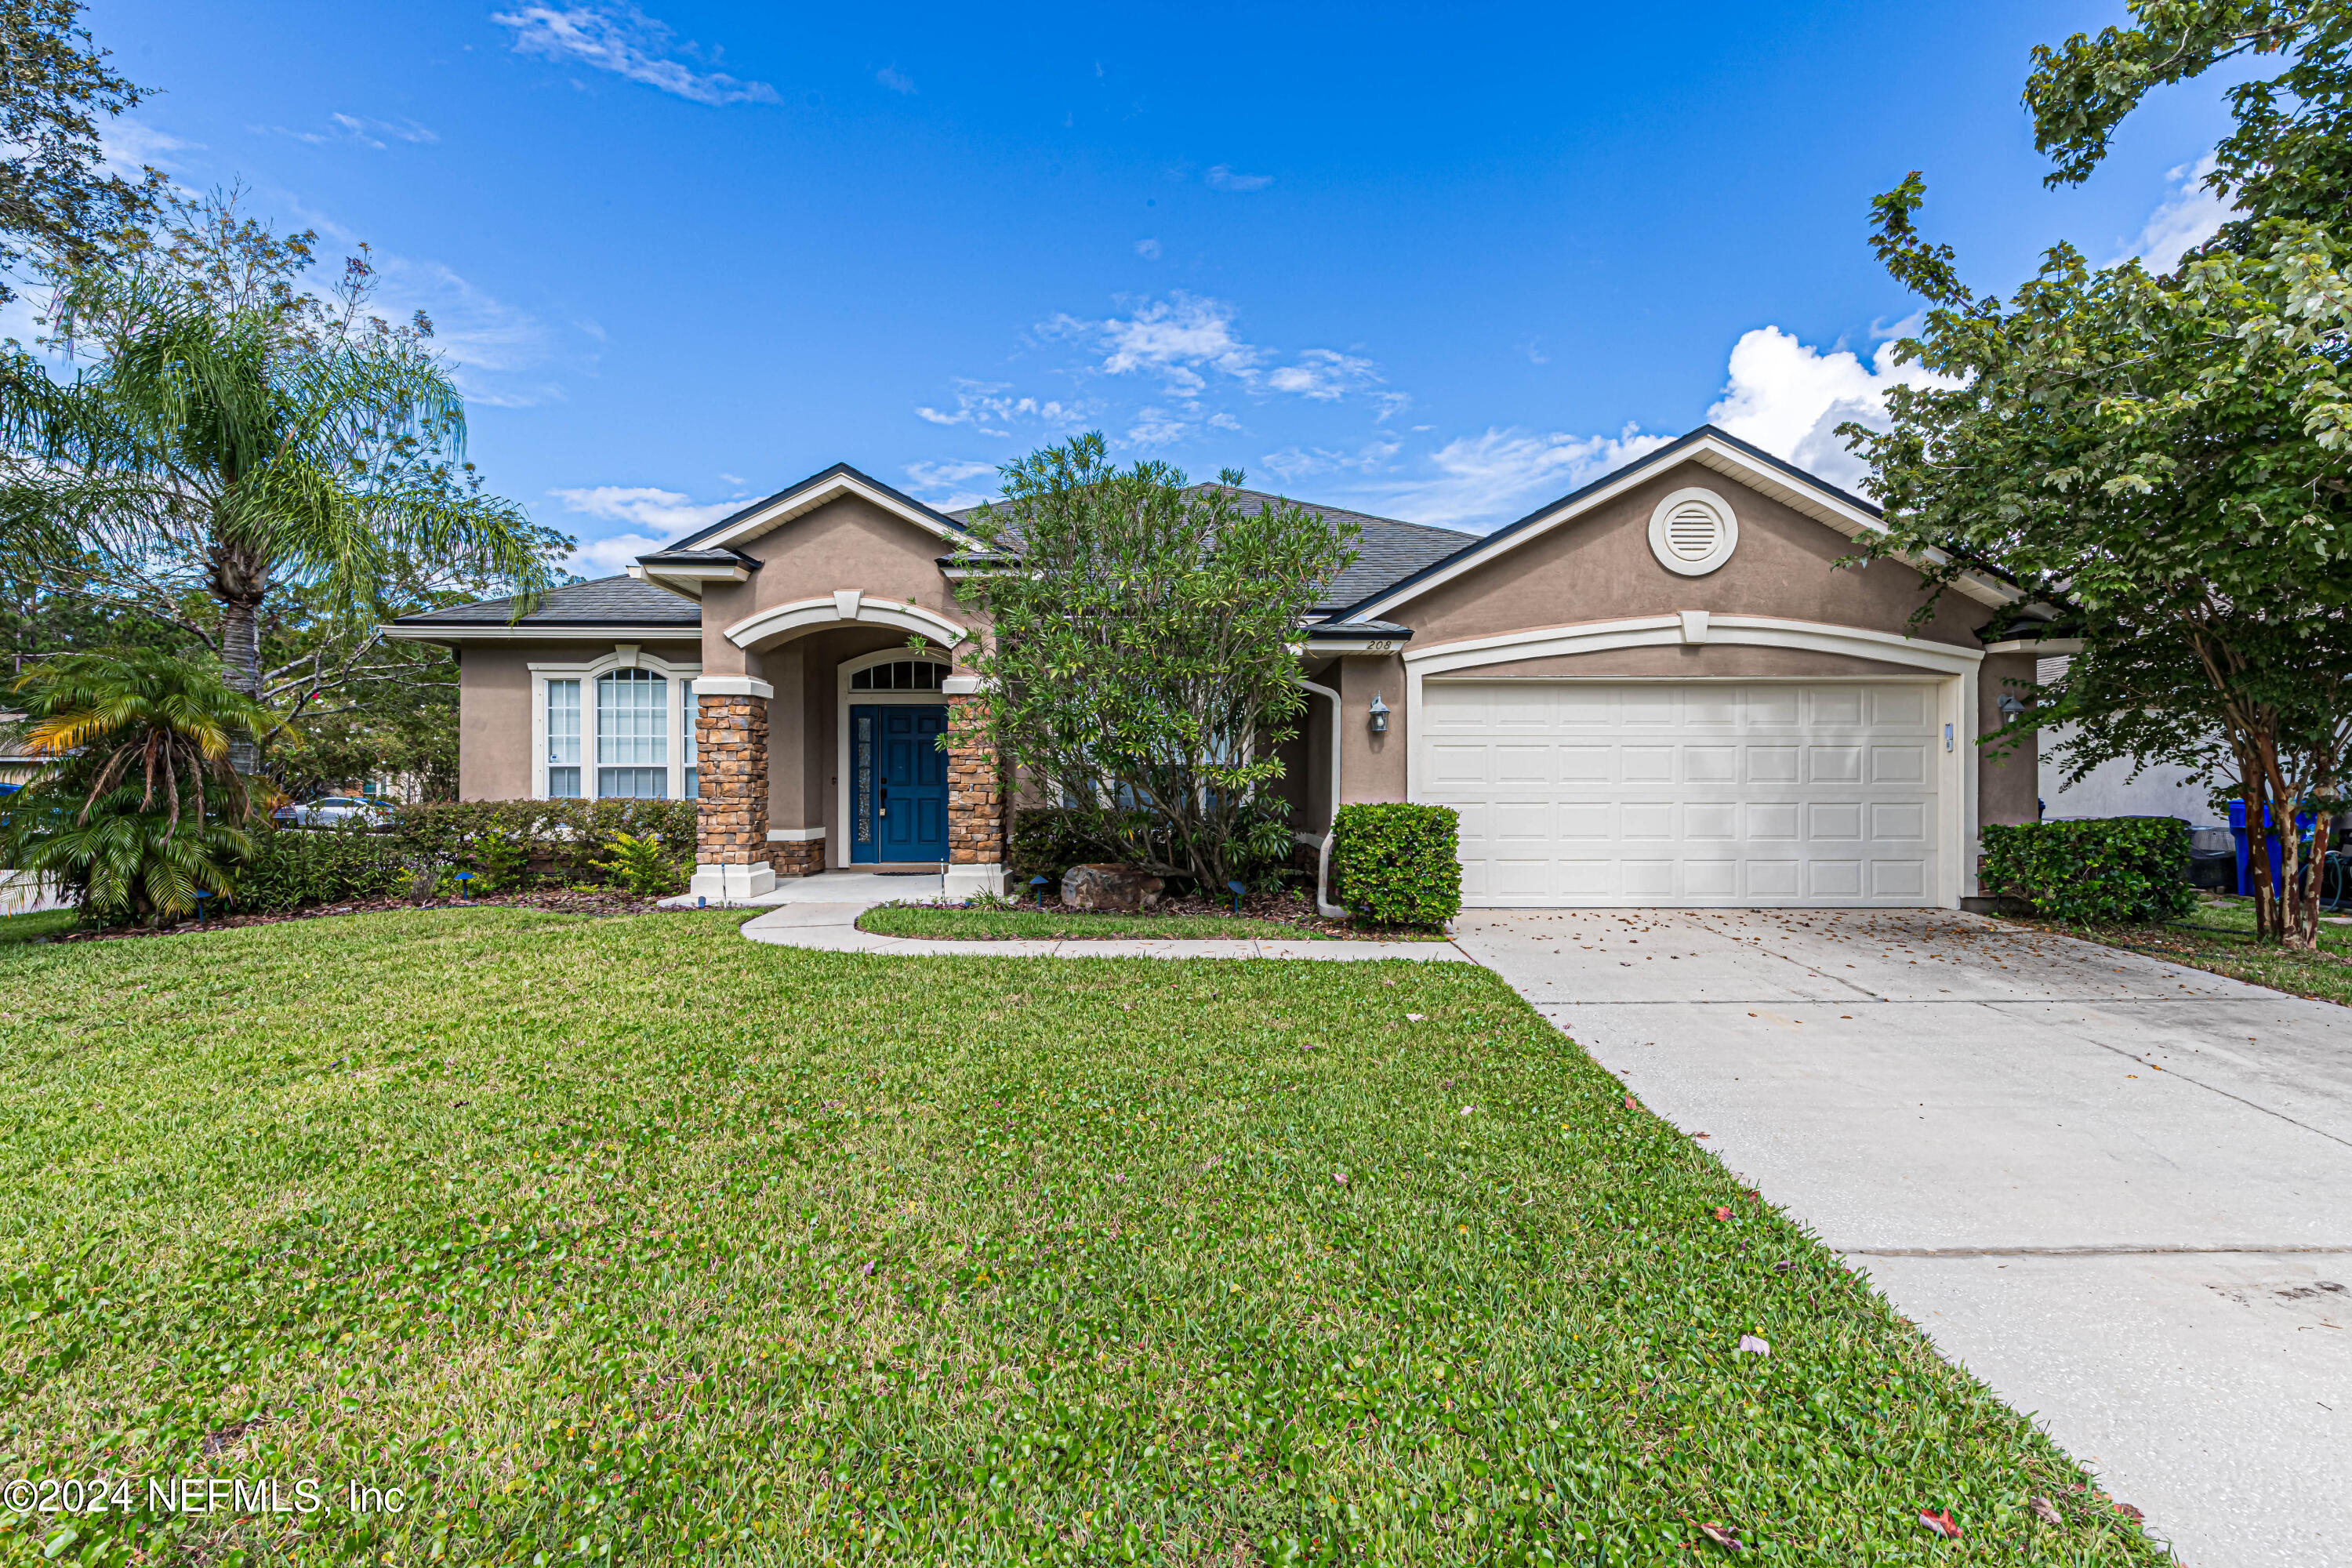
(2124, 870)
(510, 846)
(1395, 864)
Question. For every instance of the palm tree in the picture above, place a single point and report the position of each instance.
(244, 442)
(146, 810)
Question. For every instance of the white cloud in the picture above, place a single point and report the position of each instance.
(1487, 479)
(1186, 339)
(1223, 177)
(1325, 375)
(990, 408)
(653, 518)
(1147, 249)
(929, 480)
(1157, 428)
(130, 145)
(1296, 462)
(490, 344)
(359, 128)
(894, 79)
(614, 36)
(2189, 215)
(1789, 398)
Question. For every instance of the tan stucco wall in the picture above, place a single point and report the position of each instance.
(1599, 568)
(493, 716)
(1680, 662)
(2007, 788)
(1372, 767)
(846, 544)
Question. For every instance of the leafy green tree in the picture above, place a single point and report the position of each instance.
(1141, 661)
(56, 199)
(2162, 458)
(146, 810)
(231, 433)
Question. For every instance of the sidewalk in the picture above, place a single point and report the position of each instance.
(832, 928)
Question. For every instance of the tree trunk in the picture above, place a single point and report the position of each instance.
(239, 582)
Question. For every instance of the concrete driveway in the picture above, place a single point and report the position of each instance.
(2118, 1191)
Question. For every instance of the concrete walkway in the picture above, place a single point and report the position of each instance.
(822, 912)
(2118, 1191)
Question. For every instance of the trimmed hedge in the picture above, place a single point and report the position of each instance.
(1398, 865)
(2124, 870)
(508, 845)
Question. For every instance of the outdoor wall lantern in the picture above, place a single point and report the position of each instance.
(1379, 715)
(2010, 706)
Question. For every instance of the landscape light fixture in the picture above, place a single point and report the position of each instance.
(201, 897)
(1379, 715)
(1236, 889)
(1038, 885)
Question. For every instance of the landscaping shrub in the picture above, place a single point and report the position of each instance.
(292, 869)
(1398, 865)
(640, 866)
(1048, 840)
(508, 845)
(2125, 870)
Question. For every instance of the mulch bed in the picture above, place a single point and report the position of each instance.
(1288, 909)
(556, 901)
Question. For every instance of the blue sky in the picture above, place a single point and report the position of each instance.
(1441, 263)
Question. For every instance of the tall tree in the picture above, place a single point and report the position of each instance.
(2163, 458)
(1141, 652)
(57, 200)
(228, 431)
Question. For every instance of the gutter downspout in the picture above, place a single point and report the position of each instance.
(1323, 906)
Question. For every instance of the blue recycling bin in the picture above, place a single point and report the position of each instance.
(2302, 826)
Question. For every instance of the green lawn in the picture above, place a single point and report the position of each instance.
(2220, 936)
(1052, 924)
(627, 1240)
(44, 923)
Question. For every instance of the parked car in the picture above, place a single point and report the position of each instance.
(331, 811)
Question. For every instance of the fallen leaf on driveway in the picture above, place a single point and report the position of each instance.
(1750, 1345)
(1629, 1102)
(2045, 1511)
(1941, 1523)
(2129, 1512)
(1723, 1535)
(1722, 1213)
(1416, 1017)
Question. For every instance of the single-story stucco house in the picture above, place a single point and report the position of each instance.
(1660, 690)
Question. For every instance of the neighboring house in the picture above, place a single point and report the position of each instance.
(1661, 690)
(18, 765)
(2115, 788)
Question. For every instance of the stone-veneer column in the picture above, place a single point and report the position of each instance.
(975, 798)
(732, 851)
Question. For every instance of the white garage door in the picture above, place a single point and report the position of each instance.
(1659, 793)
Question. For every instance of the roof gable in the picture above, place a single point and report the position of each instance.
(732, 532)
(1707, 447)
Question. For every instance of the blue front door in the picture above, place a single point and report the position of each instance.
(897, 782)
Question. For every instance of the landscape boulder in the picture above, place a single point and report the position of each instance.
(1109, 887)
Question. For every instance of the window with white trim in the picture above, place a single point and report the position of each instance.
(691, 775)
(632, 735)
(899, 675)
(564, 740)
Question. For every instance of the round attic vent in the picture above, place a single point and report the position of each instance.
(1693, 532)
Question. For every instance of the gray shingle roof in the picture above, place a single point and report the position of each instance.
(602, 601)
(1386, 550)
